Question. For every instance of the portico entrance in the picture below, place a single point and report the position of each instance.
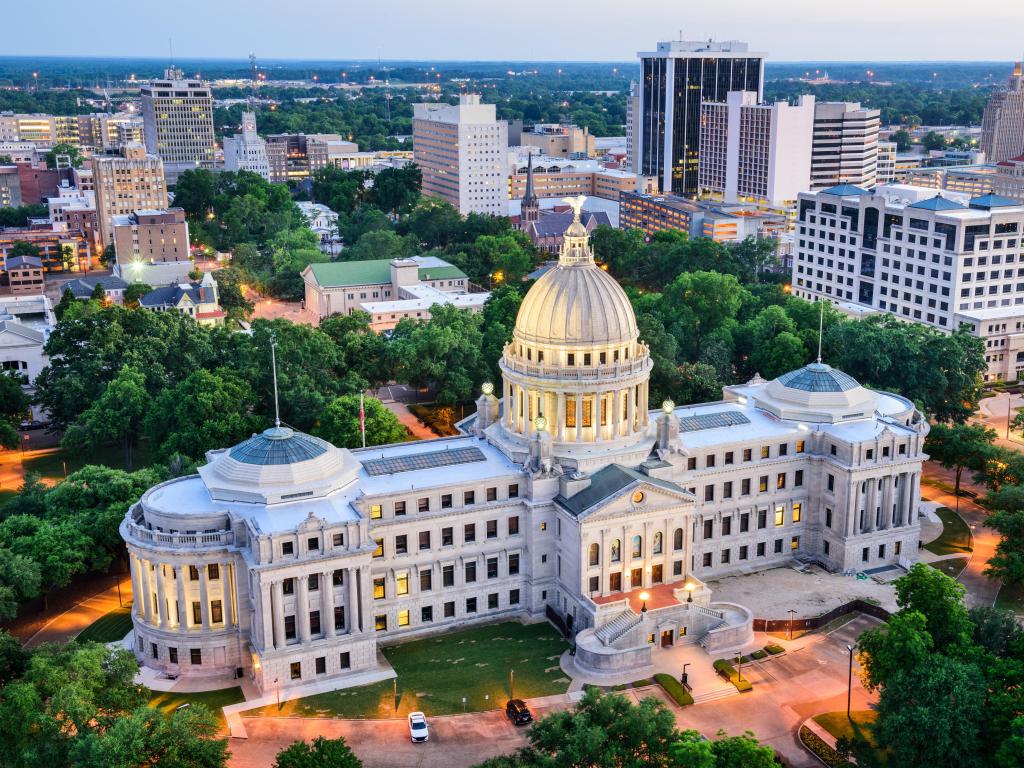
(667, 638)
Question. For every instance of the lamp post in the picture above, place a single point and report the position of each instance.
(689, 591)
(511, 683)
(644, 596)
(739, 666)
(849, 684)
(683, 678)
(791, 612)
(1009, 412)
(278, 694)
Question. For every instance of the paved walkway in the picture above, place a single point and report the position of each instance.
(992, 412)
(12, 468)
(69, 624)
(418, 429)
(981, 590)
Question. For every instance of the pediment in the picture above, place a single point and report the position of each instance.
(639, 497)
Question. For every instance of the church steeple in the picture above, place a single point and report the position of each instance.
(530, 209)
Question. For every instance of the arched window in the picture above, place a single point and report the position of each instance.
(677, 539)
(595, 554)
(616, 550)
(637, 547)
(657, 543)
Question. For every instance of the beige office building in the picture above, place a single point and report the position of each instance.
(845, 149)
(560, 140)
(177, 115)
(151, 236)
(1002, 125)
(131, 182)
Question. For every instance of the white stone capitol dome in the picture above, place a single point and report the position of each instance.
(576, 303)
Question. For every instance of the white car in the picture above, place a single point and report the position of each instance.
(418, 727)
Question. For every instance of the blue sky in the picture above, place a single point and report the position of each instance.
(612, 30)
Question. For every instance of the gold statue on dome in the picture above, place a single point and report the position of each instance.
(576, 203)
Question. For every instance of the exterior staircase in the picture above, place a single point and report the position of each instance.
(618, 626)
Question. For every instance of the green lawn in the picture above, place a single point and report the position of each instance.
(951, 567)
(168, 701)
(956, 536)
(435, 673)
(1011, 597)
(52, 464)
(110, 628)
(839, 726)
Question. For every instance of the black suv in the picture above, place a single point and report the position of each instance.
(517, 712)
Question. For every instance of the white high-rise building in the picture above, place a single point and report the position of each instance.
(943, 259)
(756, 152)
(177, 115)
(632, 121)
(845, 147)
(462, 152)
(886, 168)
(246, 151)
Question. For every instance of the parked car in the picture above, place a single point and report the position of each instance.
(518, 712)
(418, 730)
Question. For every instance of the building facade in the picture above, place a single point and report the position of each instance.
(151, 236)
(461, 150)
(885, 168)
(720, 222)
(293, 157)
(290, 560)
(133, 181)
(845, 149)
(559, 177)
(1002, 124)
(676, 80)
(562, 140)
(177, 116)
(755, 152)
(941, 260)
(246, 151)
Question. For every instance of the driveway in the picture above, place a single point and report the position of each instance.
(981, 590)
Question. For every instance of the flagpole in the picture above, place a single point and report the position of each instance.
(362, 419)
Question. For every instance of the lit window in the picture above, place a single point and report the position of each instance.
(403, 618)
(375, 512)
(797, 507)
(780, 512)
(402, 584)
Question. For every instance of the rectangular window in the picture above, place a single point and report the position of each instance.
(314, 622)
(798, 479)
(513, 525)
(727, 490)
(449, 609)
(287, 548)
(378, 588)
(492, 529)
(691, 463)
(345, 660)
(195, 655)
(762, 518)
(881, 550)
(864, 555)
(193, 572)
(213, 570)
(513, 597)
(726, 526)
(470, 571)
(492, 567)
(762, 484)
(513, 565)
(828, 517)
(172, 654)
(424, 540)
(469, 533)
(780, 514)
(745, 487)
(402, 583)
(799, 446)
(709, 529)
(726, 555)
(747, 454)
(338, 540)
(594, 583)
(778, 546)
(399, 509)
(831, 482)
(426, 614)
(780, 481)
(794, 543)
(728, 457)
(447, 537)
(339, 617)
(492, 601)
(744, 522)
(401, 544)
(403, 618)
(376, 512)
(760, 549)
(492, 494)
(338, 577)
(709, 460)
(706, 562)
(197, 616)
(448, 576)
(379, 549)
(423, 505)
(743, 552)
(289, 627)
(446, 501)
(766, 452)
(797, 509)
(783, 449)
(470, 605)
(513, 491)
(216, 611)
(320, 664)
(468, 497)
(380, 623)
(709, 493)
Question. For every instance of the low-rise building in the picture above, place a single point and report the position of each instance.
(59, 251)
(1008, 180)
(25, 325)
(199, 301)
(151, 236)
(297, 156)
(721, 222)
(323, 221)
(113, 287)
(24, 275)
(560, 177)
(563, 140)
(973, 180)
(389, 290)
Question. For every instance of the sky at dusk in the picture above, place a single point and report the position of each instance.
(532, 30)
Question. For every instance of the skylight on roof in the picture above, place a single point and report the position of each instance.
(416, 461)
(712, 421)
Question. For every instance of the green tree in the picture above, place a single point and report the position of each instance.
(939, 598)
(379, 244)
(960, 446)
(24, 248)
(59, 549)
(443, 353)
(757, 255)
(933, 141)
(229, 292)
(509, 258)
(363, 353)
(13, 658)
(339, 423)
(698, 304)
(902, 139)
(116, 416)
(134, 292)
(499, 319)
(20, 580)
(996, 629)
(322, 753)
(68, 256)
(14, 405)
(396, 190)
(1007, 517)
(73, 153)
(208, 409)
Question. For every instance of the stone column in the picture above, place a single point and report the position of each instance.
(302, 607)
(631, 410)
(204, 595)
(365, 598)
(277, 608)
(227, 595)
(327, 603)
(915, 497)
(579, 417)
(645, 407)
(138, 602)
(147, 589)
(510, 402)
(161, 596)
(603, 559)
(852, 509)
(180, 574)
(560, 417)
(352, 613)
(266, 616)
(598, 413)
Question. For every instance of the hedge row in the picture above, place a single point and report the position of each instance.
(821, 750)
(674, 688)
(728, 671)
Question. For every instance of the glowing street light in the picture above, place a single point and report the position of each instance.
(690, 586)
(644, 596)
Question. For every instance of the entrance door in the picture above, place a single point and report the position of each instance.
(636, 578)
(656, 574)
(615, 582)
(666, 638)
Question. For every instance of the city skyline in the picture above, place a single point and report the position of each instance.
(872, 30)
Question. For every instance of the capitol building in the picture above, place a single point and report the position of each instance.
(289, 560)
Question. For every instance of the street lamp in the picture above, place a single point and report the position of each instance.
(689, 591)
(645, 596)
(683, 678)
(791, 612)
(1009, 412)
(849, 683)
(739, 666)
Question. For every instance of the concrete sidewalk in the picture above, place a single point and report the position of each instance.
(69, 624)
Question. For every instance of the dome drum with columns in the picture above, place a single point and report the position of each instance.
(576, 358)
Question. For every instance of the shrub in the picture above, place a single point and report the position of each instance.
(674, 688)
(821, 750)
(728, 671)
(772, 648)
(619, 687)
(641, 683)
(758, 655)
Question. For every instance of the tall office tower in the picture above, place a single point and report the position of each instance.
(845, 147)
(675, 80)
(462, 151)
(755, 152)
(246, 151)
(632, 121)
(886, 173)
(132, 182)
(178, 118)
(1002, 125)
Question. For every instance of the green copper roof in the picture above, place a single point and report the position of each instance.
(339, 274)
